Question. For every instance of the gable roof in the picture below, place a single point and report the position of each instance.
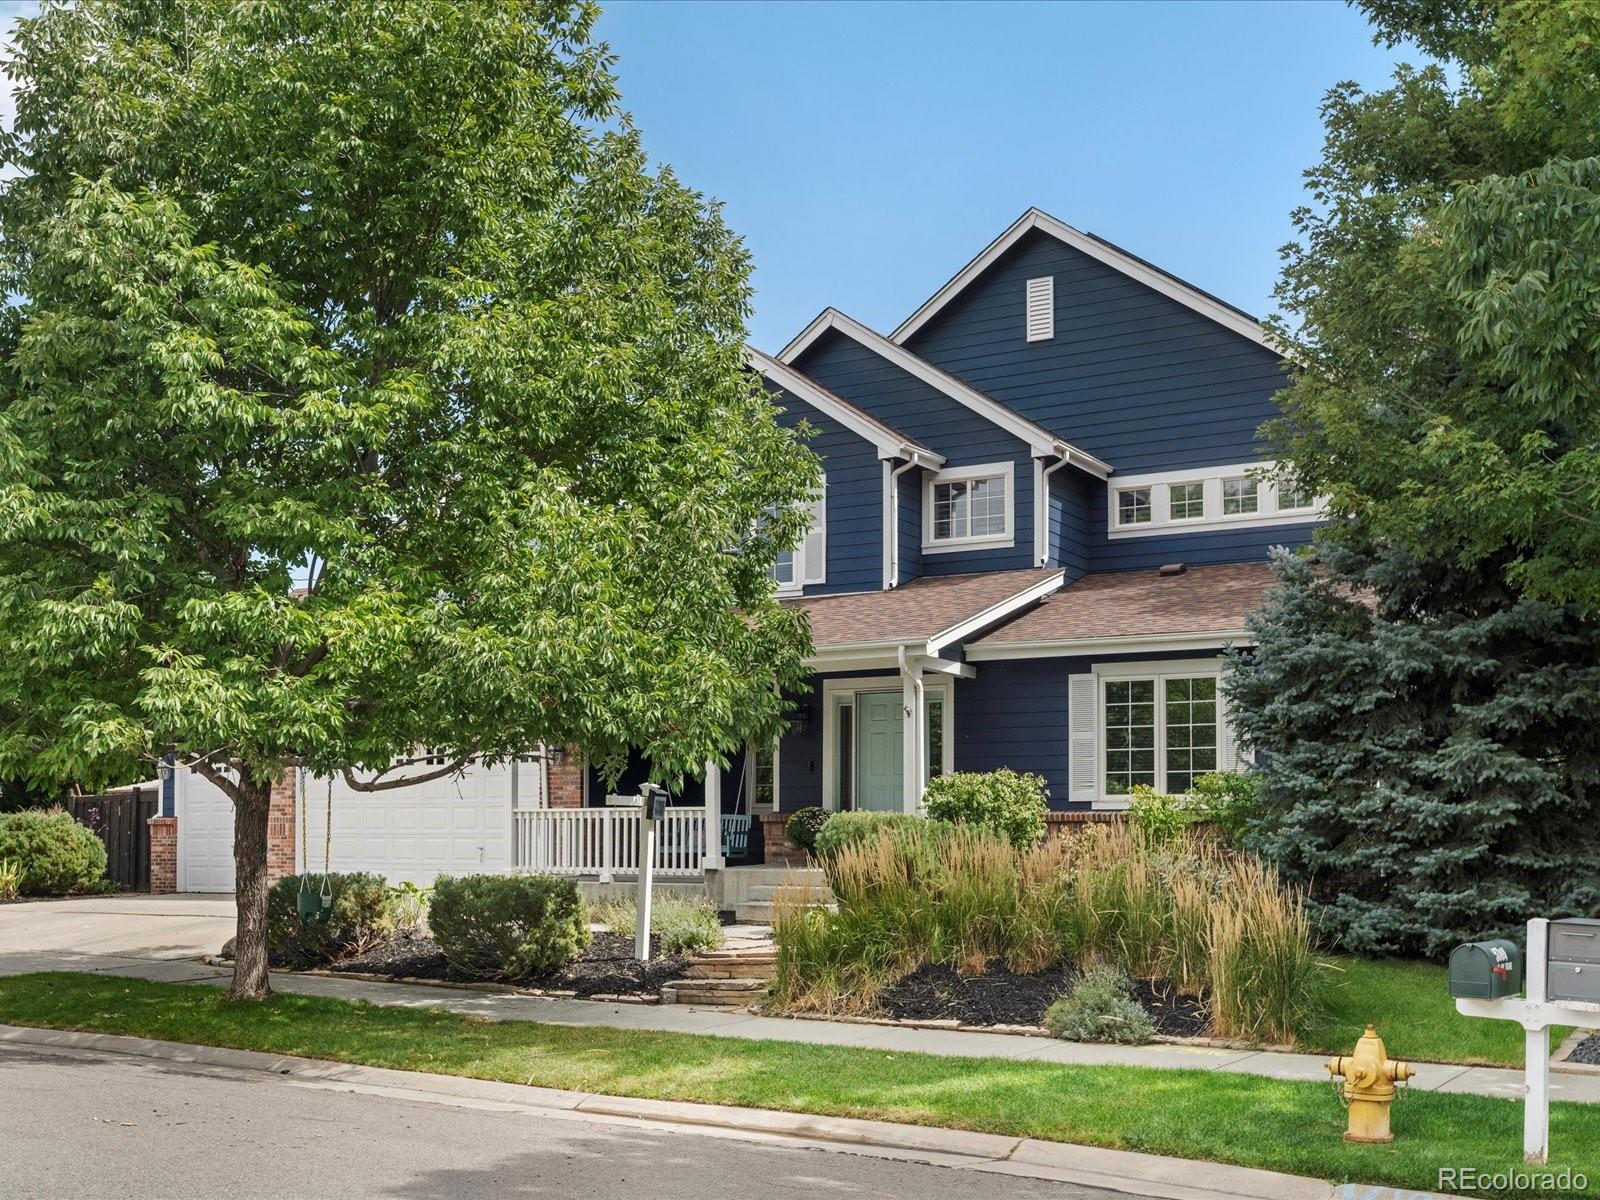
(891, 443)
(1039, 439)
(934, 611)
(1134, 267)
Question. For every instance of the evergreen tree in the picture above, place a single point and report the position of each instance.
(1429, 748)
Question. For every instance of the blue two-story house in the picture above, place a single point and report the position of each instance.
(1045, 513)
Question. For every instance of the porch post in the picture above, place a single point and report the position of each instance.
(911, 734)
(713, 790)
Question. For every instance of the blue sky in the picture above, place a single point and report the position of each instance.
(867, 151)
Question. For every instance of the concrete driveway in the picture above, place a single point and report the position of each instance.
(122, 926)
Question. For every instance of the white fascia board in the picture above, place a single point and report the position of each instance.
(888, 444)
(1038, 439)
(1126, 264)
(1093, 647)
(995, 612)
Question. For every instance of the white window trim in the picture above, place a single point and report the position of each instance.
(1160, 483)
(834, 688)
(1160, 671)
(806, 572)
(1006, 472)
(750, 777)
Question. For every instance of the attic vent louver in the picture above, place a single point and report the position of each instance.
(1042, 308)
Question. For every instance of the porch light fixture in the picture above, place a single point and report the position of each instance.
(800, 721)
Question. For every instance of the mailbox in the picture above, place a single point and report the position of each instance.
(653, 799)
(1487, 970)
(1574, 961)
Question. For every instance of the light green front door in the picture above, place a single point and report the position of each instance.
(879, 754)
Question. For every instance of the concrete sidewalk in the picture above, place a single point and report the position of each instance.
(1431, 1077)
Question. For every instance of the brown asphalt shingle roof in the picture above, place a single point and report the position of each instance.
(1124, 604)
(915, 610)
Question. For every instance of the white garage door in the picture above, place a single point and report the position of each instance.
(205, 835)
(453, 826)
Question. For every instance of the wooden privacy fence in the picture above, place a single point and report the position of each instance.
(122, 821)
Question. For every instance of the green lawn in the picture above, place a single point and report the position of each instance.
(1240, 1119)
(1410, 1004)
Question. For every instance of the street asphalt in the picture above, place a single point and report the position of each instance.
(82, 1124)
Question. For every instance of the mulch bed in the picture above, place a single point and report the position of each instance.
(607, 967)
(1586, 1051)
(934, 992)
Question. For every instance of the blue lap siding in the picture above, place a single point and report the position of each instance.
(854, 498)
(905, 402)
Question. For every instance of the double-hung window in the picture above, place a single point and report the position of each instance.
(1162, 731)
(807, 562)
(968, 508)
(1292, 496)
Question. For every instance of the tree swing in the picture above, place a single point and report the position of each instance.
(315, 906)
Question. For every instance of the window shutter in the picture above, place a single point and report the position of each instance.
(814, 553)
(1083, 749)
(1042, 308)
(1228, 751)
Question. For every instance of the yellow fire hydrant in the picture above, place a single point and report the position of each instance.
(1369, 1078)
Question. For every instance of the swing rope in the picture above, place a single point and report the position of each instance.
(327, 850)
(305, 830)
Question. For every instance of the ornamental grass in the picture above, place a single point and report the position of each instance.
(1219, 925)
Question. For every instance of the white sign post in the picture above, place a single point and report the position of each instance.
(652, 805)
(1536, 1012)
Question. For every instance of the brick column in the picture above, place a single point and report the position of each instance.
(281, 828)
(566, 780)
(779, 851)
(163, 855)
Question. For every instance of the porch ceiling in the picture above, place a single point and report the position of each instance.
(916, 611)
(1136, 604)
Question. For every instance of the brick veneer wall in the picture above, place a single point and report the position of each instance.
(779, 851)
(281, 818)
(163, 855)
(566, 780)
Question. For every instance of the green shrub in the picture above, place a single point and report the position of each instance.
(1161, 818)
(1230, 799)
(804, 826)
(1002, 802)
(54, 855)
(685, 926)
(9, 877)
(1100, 1009)
(853, 828)
(363, 915)
(508, 926)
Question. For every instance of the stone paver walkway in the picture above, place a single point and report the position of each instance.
(678, 1018)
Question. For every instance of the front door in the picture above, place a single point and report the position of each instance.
(879, 754)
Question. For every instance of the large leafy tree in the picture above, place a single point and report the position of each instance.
(1445, 296)
(378, 298)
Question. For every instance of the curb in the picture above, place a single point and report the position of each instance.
(1118, 1170)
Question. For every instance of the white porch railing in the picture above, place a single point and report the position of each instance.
(605, 841)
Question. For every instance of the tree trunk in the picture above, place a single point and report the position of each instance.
(250, 810)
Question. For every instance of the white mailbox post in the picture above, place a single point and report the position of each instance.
(1537, 1012)
(652, 805)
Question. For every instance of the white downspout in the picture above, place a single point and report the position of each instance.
(1041, 509)
(891, 526)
